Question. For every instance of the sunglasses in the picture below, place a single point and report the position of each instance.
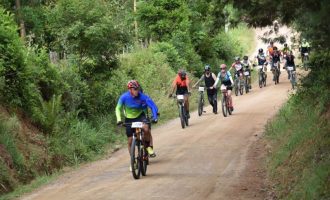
(135, 88)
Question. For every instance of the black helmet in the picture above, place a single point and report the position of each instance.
(285, 44)
(237, 58)
(182, 74)
(245, 58)
(207, 68)
(261, 50)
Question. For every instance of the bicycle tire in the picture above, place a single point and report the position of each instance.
(264, 81)
(228, 108)
(247, 89)
(200, 105)
(144, 161)
(236, 89)
(215, 103)
(135, 148)
(181, 114)
(224, 106)
(186, 119)
(260, 80)
(241, 89)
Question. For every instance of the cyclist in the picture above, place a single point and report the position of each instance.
(270, 52)
(247, 68)
(237, 65)
(290, 62)
(181, 84)
(285, 50)
(262, 61)
(135, 103)
(225, 78)
(304, 48)
(276, 58)
(209, 78)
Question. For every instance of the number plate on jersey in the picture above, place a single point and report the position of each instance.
(290, 68)
(201, 89)
(180, 97)
(137, 124)
(246, 73)
(306, 54)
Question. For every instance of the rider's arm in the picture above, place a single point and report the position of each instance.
(202, 78)
(214, 76)
(173, 86)
(118, 108)
(154, 109)
(188, 84)
(217, 80)
(230, 78)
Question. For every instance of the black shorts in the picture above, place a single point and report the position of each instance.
(129, 130)
(228, 84)
(182, 91)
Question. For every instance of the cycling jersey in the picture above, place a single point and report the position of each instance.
(135, 106)
(209, 82)
(237, 66)
(276, 57)
(290, 60)
(261, 59)
(181, 85)
(285, 50)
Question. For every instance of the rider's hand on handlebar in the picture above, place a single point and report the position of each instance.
(189, 93)
(119, 123)
(154, 121)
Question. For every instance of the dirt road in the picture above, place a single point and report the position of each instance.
(203, 161)
(207, 160)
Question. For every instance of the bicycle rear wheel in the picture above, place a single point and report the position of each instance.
(260, 80)
(241, 88)
(135, 160)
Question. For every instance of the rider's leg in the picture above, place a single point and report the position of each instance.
(210, 98)
(148, 140)
(186, 103)
(230, 99)
(129, 144)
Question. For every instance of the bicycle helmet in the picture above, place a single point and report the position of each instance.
(237, 58)
(182, 74)
(275, 48)
(285, 44)
(245, 58)
(207, 68)
(261, 50)
(133, 84)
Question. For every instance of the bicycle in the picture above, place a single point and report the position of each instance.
(246, 81)
(276, 73)
(238, 85)
(138, 152)
(262, 76)
(182, 111)
(201, 100)
(225, 101)
(292, 76)
(305, 60)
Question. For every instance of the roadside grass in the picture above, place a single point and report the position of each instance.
(300, 149)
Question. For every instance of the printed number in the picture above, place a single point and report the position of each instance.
(180, 97)
(201, 89)
(137, 124)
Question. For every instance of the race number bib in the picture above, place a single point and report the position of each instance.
(201, 89)
(180, 97)
(137, 124)
(290, 68)
(246, 73)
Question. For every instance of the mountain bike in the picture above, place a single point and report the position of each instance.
(292, 76)
(247, 76)
(276, 73)
(238, 85)
(138, 152)
(225, 101)
(201, 100)
(182, 111)
(305, 60)
(262, 76)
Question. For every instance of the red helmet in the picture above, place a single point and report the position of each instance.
(133, 84)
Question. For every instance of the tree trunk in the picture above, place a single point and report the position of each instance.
(20, 19)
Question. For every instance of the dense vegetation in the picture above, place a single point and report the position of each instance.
(64, 63)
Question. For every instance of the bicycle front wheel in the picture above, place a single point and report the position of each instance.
(200, 105)
(224, 106)
(135, 161)
(181, 114)
(144, 160)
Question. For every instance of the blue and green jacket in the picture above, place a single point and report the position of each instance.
(135, 106)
